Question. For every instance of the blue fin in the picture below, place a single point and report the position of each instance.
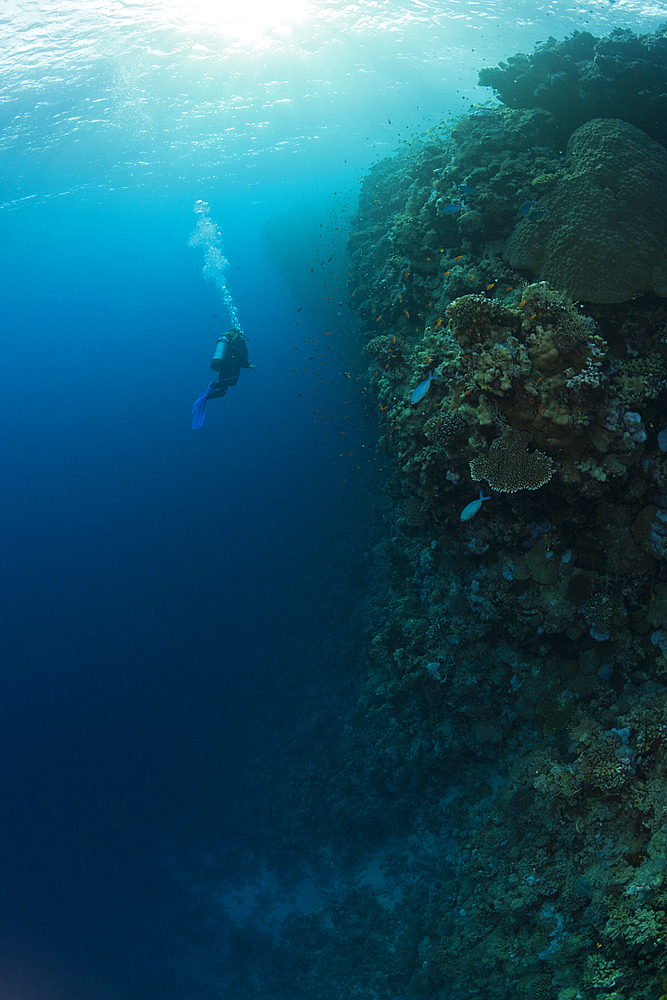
(198, 415)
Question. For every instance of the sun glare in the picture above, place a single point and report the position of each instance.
(250, 22)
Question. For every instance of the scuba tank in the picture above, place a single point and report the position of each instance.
(223, 349)
(220, 354)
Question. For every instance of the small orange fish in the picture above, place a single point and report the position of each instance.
(472, 277)
(460, 257)
(378, 318)
(438, 323)
(522, 303)
(406, 274)
(492, 285)
(407, 314)
(533, 316)
(393, 339)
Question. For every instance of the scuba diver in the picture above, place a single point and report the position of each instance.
(231, 355)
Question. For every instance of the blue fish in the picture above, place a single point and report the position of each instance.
(473, 507)
(450, 209)
(525, 209)
(198, 414)
(421, 389)
(466, 189)
(539, 213)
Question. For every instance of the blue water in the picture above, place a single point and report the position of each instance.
(153, 577)
(175, 604)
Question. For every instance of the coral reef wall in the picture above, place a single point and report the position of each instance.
(513, 712)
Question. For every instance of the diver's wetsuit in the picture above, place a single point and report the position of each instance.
(231, 355)
(236, 358)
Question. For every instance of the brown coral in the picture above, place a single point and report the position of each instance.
(414, 512)
(387, 350)
(604, 765)
(603, 238)
(441, 428)
(508, 467)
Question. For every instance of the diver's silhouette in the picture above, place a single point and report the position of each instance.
(231, 355)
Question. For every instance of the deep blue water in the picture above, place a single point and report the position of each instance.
(171, 600)
(154, 577)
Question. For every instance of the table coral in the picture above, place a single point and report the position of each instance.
(509, 467)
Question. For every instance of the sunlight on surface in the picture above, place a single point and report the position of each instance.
(248, 21)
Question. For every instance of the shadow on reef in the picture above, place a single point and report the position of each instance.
(508, 275)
